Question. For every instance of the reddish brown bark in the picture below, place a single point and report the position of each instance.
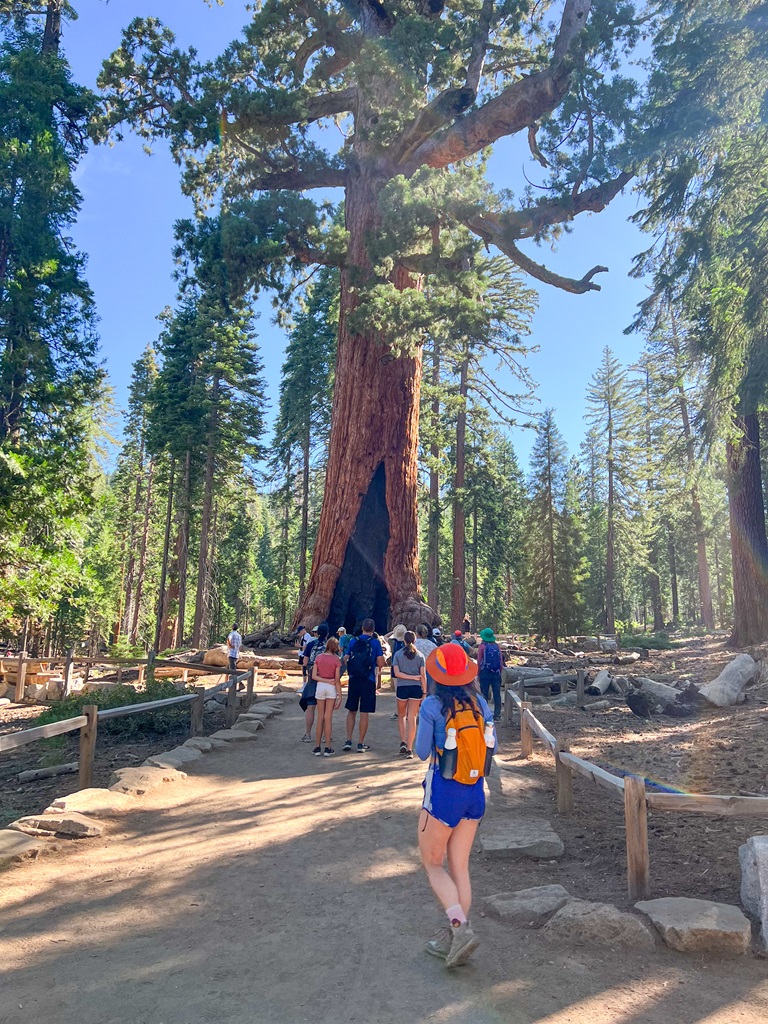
(459, 580)
(749, 545)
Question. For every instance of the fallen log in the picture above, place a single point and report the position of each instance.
(48, 773)
(726, 689)
(600, 684)
(628, 658)
(660, 691)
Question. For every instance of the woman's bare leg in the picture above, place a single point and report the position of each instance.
(402, 708)
(309, 719)
(413, 714)
(328, 722)
(320, 722)
(459, 848)
(433, 843)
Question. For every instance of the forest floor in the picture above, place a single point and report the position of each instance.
(275, 887)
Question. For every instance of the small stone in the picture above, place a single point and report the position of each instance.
(4, 702)
(232, 735)
(181, 754)
(585, 922)
(138, 781)
(519, 838)
(753, 857)
(532, 907)
(64, 823)
(99, 803)
(246, 726)
(198, 743)
(14, 847)
(212, 705)
(698, 926)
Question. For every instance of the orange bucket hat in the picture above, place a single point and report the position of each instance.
(449, 665)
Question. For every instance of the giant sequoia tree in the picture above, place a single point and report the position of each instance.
(418, 89)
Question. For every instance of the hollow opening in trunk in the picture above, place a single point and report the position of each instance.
(361, 590)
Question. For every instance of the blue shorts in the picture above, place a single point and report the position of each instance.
(450, 801)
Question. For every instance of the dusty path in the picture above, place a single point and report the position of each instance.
(277, 888)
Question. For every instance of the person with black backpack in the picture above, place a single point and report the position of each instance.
(490, 662)
(364, 662)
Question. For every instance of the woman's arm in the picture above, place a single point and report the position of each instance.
(402, 675)
(423, 677)
(337, 684)
(425, 734)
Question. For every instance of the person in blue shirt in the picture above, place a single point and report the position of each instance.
(364, 662)
(452, 810)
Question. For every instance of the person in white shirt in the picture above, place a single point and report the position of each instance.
(234, 643)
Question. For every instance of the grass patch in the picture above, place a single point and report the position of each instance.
(651, 641)
(166, 720)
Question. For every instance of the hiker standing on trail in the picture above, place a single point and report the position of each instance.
(490, 662)
(364, 663)
(457, 638)
(425, 645)
(466, 626)
(308, 700)
(305, 638)
(396, 643)
(234, 643)
(326, 673)
(456, 733)
(408, 667)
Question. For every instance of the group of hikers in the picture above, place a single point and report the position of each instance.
(442, 717)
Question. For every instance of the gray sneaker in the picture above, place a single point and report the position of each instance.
(464, 944)
(441, 944)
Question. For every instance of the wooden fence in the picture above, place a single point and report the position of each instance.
(146, 667)
(88, 722)
(630, 790)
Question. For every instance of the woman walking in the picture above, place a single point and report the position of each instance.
(408, 669)
(326, 672)
(454, 805)
(490, 663)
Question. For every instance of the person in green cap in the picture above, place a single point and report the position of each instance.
(490, 662)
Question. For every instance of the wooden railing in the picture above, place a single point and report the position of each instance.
(146, 667)
(88, 722)
(630, 790)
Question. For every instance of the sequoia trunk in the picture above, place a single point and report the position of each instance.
(459, 581)
(365, 560)
(749, 546)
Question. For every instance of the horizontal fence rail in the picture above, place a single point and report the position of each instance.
(88, 722)
(630, 790)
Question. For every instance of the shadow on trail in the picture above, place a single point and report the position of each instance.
(280, 888)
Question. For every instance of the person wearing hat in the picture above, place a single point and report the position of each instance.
(457, 638)
(308, 696)
(410, 677)
(490, 662)
(452, 810)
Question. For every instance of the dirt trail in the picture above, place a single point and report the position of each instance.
(277, 888)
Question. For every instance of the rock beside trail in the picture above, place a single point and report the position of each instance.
(15, 846)
(249, 724)
(698, 926)
(138, 781)
(201, 743)
(532, 907)
(71, 824)
(174, 758)
(98, 803)
(233, 735)
(517, 838)
(753, 857)
(590, 923)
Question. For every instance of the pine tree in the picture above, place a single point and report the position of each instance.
(612, 412)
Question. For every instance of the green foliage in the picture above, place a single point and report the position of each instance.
(165, 720)
(651, 641)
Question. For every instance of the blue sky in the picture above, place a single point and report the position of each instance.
(131, 200)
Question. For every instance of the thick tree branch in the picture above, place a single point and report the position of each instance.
(479, 47)
(519, 105)
(534, 220)
(306, 254)
(443, 109)
(542, 273)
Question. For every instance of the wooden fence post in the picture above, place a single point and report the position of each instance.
(251, 686)
(88, 747)
(526, 736)
(150, 677)
(564, 779)
(636, 822)
(21, 675)
(142, 673)
(196, 722)
(580, 678)
(231, 702)
(69, 667)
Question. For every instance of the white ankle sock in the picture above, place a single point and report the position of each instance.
(456, 916)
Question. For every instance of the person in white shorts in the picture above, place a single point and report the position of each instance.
(326, 671)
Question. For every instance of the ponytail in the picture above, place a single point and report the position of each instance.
(410, 650)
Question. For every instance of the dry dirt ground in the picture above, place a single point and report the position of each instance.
(273, 887)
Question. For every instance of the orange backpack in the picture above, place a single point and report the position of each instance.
(470, 739)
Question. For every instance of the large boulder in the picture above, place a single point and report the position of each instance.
(531, 907)
(15, 846)
(599, 923)
(753, 857)
(71, 824)
(698, 926)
